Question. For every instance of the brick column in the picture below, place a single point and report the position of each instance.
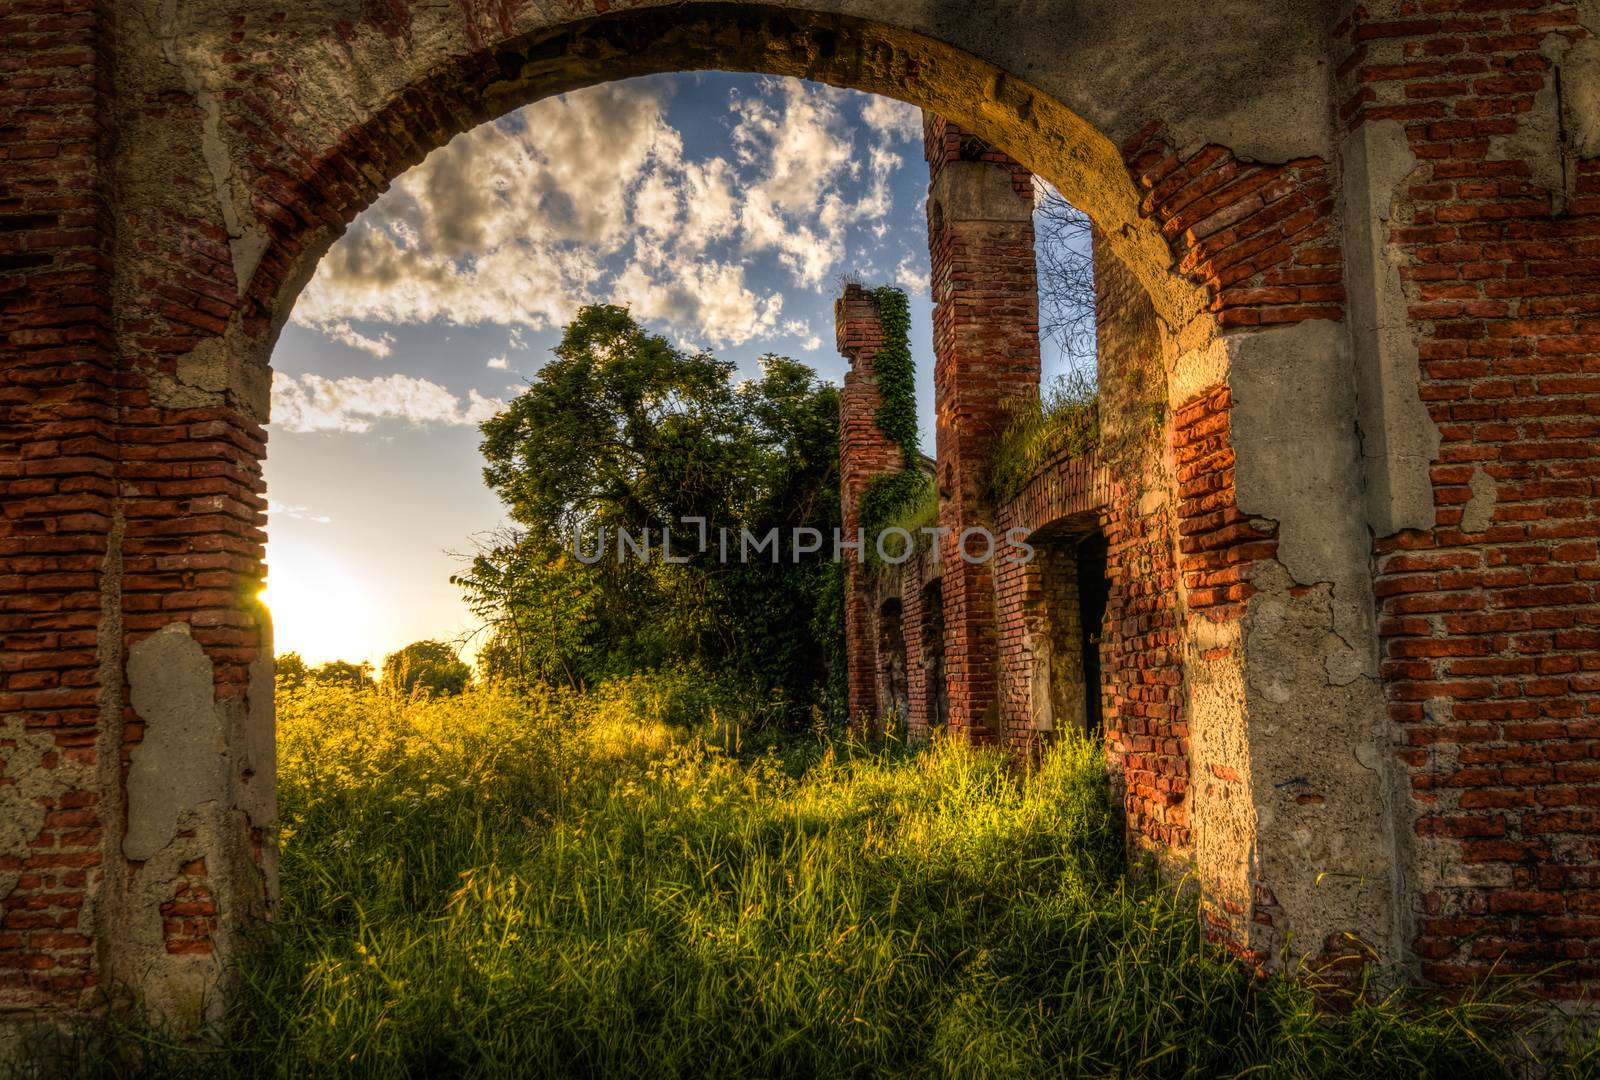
(864, 452)
(58, 515)
(986, 354)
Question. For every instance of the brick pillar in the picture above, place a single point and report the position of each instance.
(864, 452)
(986, 354)
(58, 517)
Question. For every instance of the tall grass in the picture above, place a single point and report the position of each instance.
(496, 885)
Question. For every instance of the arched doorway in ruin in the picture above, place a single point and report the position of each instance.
(249, 138)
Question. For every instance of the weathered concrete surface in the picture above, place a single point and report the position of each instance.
(1564, 123)
(198, 875)
(1318, 746)
(1399, 440)
(32, 776)
(176, 767)
(1225, 845)
(977, 191)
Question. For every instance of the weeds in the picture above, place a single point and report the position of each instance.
(1065, 418)
(554, 885)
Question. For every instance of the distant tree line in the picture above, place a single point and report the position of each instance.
(431, 667)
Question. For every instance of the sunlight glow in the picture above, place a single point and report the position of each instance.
(319, 608)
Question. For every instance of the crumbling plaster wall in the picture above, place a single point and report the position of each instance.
(200, 794)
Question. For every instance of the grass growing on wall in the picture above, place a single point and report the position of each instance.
(1066, 417)
(496, 886)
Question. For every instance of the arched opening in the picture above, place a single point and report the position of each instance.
(1066, 625)
(1094, 593)
(1292, 674)
(234, 196)
(935, 704)
(315, 185)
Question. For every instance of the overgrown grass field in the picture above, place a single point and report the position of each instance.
(616, 885)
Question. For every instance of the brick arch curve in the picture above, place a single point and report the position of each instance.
(312, 190)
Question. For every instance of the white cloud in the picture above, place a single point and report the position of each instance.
(797, 207)
(312, 403)
(586, 198)
(912, 277)
(498, 363)
(812, 343)
(342, 332)
(707, 297)
(509, 223)
(655, 205)
(299, 513)
(892, 119)
(713, 211)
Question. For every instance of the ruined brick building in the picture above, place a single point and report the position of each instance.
(1350, 665)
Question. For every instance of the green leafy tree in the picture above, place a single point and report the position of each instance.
(432, 666)
(622, 431)
(343, 673)
(291, 670)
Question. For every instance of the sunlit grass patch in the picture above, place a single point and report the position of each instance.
(554, 884)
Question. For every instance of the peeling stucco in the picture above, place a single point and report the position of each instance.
(247, 241)
(1316, 754)
(200, 790)
(1399, 440)
(32, 776)
(216, 372)
(1223, 812)
(178, 764)
(1297, 462)
(1475, 516)
(1564, 122)
(1319, 780)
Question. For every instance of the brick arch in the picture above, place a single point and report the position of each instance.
(229, 193)
(304, 191)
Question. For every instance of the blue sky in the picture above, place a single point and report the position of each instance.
(725, 210)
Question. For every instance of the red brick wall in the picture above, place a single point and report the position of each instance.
(1491, 638)
(1220, 545)
(1257, 237)
(58, 475)
(864, 452)
(986, 354)
(920, 622)
(1147, 737)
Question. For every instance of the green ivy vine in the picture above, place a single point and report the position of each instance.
(892, 494)
(897, 374)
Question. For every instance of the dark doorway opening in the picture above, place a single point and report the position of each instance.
(1094, 593)
(892, 687)
(937, 694)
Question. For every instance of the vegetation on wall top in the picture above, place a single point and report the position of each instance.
(1065, 418)
(897, 374)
